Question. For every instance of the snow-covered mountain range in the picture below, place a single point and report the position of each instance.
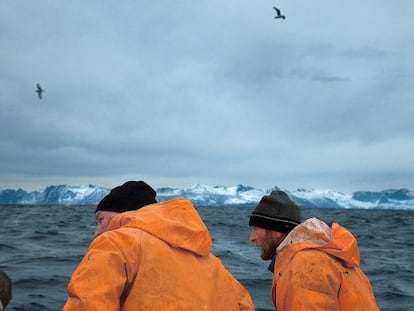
(203, 195)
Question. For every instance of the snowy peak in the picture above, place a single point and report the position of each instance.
(204, 195)
(73, 194)
(61, 194)
(386, 199)
(213, 196)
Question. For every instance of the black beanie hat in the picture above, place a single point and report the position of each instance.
(276, 212)
(132, 195)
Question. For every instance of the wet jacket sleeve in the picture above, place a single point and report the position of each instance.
(101, 279)
(310, 282)
(224, 290)
(245, 300)
(243, 297)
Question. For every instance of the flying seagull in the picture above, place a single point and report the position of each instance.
(278, 13)
(39, 90)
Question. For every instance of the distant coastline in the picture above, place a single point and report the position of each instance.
(204, 195)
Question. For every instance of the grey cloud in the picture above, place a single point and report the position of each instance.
(203, 92)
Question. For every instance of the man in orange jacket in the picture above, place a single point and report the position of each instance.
(151, 257)
(315, 267)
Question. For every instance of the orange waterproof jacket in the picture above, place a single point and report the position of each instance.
(317, 268)
(155, 258)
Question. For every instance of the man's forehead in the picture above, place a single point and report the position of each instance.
(105, 213)
(101, 213)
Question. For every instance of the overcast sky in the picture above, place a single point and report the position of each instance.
(211, 92)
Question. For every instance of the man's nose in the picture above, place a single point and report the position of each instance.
(252, 237)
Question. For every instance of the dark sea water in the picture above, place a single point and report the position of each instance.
(40, 247)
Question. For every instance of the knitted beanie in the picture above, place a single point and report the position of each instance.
(276, 212)
(132, 195)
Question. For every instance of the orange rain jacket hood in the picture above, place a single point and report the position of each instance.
(318, 268)
(155, 258)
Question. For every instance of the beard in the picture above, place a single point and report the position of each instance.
(267, 253)
(269, 246)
